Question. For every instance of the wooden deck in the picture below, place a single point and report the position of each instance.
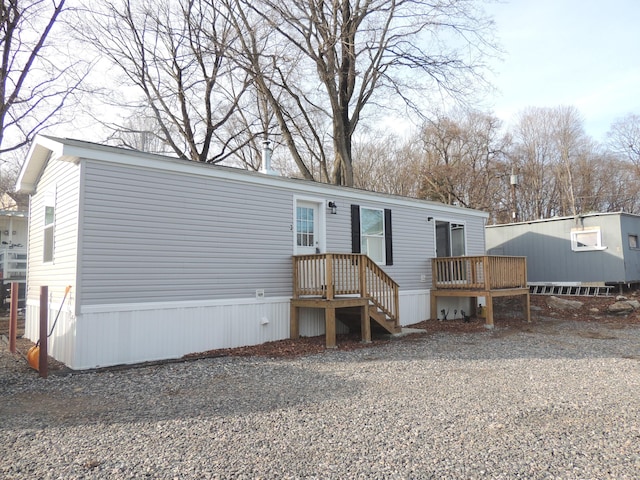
(480, 276)
(333, 281)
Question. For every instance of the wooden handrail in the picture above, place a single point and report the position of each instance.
(331, 275)
(479, 272)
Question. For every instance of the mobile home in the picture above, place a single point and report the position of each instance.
(167, 257)
(596, 248)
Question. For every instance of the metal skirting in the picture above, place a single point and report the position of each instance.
(574, 290)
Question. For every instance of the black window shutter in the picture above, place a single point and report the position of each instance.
(388, 238)
(355, 229)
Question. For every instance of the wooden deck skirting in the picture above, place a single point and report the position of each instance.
(342, 280)
(480, 276)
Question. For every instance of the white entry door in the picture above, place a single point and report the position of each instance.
(307, 232)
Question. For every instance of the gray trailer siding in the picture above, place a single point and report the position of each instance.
(550, 258)
(630, 226)
(155, 235)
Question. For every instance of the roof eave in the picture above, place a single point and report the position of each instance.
(42, 149)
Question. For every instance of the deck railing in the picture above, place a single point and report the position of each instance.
(332, 275)
(479, 273)
(13, 263)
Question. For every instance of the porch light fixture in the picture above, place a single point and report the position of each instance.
(333, 207)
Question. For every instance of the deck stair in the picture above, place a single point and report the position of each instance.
(341, 283)
(351, 318)
(572, 289)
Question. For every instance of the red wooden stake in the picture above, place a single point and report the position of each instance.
(13, 317)
(44, 317)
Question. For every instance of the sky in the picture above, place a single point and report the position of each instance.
(584, 53)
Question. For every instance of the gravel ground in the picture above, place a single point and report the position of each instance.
(558, 399)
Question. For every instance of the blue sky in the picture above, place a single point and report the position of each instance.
(584, 53)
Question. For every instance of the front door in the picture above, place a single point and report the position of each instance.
(307, 228)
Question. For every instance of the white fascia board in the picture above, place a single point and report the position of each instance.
(42, 149)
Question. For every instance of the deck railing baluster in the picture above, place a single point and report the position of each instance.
(479, 272)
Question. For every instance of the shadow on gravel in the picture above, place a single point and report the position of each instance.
(301, 378)
(196, 389)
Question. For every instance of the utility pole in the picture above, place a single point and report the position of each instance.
(514, 183)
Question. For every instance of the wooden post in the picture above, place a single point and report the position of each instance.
(434, 306)
(329, 275)
(365, 324)
(489, 308)
(362, 271)
(527, 307)
(43, 366)
(295, 277)
(294, 326)
(330, 327)
(487, 273)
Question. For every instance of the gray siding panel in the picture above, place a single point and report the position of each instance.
(630, 225)
(151, 235)
(145, 239)
(547, 246)
(413, 238)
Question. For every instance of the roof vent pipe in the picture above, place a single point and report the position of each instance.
(266, 159)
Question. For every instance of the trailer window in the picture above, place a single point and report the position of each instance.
(372, 233)
(586, 240)
(49, 225)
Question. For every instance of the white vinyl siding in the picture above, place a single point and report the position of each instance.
(64, 179)
(49, 227)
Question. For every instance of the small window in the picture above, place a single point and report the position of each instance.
(586, 240)
(49, 226)
(633, 241)
(305, 227)
(372, 233)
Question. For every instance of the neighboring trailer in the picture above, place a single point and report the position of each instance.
(13, 255)
(168, 257)
(595, 248)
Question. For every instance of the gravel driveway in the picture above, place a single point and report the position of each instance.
(556, 400)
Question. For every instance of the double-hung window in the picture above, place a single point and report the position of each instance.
(49, 227)
(371, 233)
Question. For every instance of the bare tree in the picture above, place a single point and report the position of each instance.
(624, 138)
(320, 64)
(9, 170)
(533, 155)
(36, 81)
(463, 159)
(387, 163)
(555, 157)
(571, 149)
(175, 53)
